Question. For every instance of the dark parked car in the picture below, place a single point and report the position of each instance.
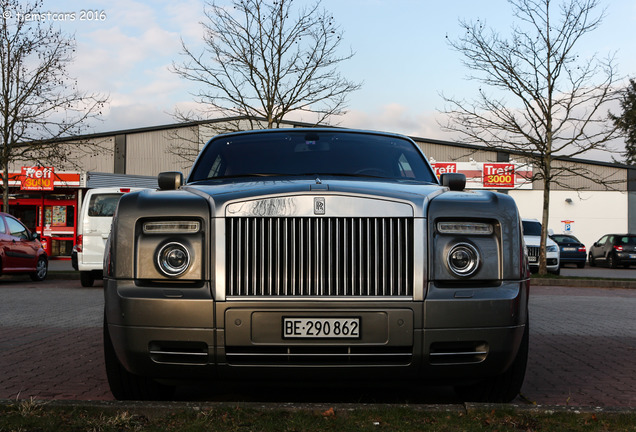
(317, 255)
(572, 250)
(21, 250)
(614, 250)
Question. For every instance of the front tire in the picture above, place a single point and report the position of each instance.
(41, 270)
(125, 385)
(592, 260)
(504, 387)
(87, 279)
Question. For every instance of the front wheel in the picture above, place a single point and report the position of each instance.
(592, 260)
(41, 270)
(87, 279)
(125, 385)
(504, 387)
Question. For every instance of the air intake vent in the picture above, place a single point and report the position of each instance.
(326, 257)
(319, 356)
(178, 352)
(452, 353)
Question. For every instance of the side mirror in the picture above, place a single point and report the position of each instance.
(453, 181)
(170, 180)
(35, 236)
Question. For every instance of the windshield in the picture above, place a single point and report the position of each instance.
(290, 153)
(531, 228)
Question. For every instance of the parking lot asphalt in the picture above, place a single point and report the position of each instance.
(582, 351)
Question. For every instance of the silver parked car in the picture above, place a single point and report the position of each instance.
(315, 254)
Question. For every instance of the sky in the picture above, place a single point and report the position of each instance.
(402, 56)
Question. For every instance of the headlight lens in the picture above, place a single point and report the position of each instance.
(173, 259)
(463, 259)
(552, 249)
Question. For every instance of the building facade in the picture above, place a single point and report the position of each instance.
(48, 199)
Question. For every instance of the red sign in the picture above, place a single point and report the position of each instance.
(37, 178)
(444, 167)
(500, 175)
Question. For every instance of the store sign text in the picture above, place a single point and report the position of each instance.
(444, 167)
(499, 175)
(37, 178)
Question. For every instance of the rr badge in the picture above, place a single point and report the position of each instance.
(319, 206)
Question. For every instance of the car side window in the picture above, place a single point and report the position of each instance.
(16, 229)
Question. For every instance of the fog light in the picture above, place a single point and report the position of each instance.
(173, 259)
(463, 259)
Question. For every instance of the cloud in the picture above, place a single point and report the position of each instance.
(396, 118)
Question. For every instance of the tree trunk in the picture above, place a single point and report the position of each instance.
(5, 185)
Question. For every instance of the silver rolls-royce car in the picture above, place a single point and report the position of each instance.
(315, 255)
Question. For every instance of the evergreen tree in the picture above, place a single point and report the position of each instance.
(626, 122)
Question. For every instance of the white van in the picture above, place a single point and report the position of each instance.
(95, 219)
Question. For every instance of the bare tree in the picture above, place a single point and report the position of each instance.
(546, 102)
(264, 60)
(39, 101)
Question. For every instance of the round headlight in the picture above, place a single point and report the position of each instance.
(173, 259)
(463, 259)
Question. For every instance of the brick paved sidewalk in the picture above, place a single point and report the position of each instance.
(582, 348)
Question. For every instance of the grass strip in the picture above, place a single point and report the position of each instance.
(37, 416)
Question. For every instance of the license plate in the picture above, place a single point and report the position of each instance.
(319, 328)
(569, 249)
(532, 259)
(632, 256)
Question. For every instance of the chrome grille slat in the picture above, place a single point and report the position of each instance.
(319, 257)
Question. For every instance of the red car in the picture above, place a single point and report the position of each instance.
(21, 250)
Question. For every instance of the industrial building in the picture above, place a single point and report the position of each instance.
(47, 199)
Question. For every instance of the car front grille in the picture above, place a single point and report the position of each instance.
(323, 257)
(533, 251)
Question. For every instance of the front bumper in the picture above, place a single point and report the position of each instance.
(455, 334)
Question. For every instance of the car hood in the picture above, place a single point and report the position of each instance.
(283, 195)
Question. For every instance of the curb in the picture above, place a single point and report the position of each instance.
(584, 283)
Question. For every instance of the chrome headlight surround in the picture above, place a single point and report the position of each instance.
(463, 259)
(173, 259)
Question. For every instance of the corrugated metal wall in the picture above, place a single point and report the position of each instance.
(149, 153)
(590, 177)
(446, 153)
(95, 154)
